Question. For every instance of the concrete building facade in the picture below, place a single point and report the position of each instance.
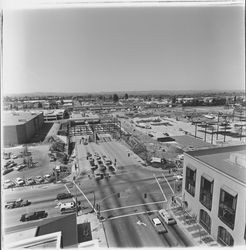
(214, 190)
(19, 127)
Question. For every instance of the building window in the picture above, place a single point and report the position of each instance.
(206, 191)
(190, 180)
(224, 237)
(205, 220)
(227, 206)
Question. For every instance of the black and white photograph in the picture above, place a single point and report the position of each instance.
(123, 124)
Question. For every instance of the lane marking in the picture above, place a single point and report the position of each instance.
(138, 205)
(168, 182)
(70, 193)
(160, 187)
(127, 215)
(85, 197)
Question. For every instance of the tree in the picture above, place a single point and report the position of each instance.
(115, 98)
(126, 96)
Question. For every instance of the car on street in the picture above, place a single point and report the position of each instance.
(67, 207)
(39, 179)
(17, 203)
(168, 218)
(30, 181)
(19, 181)
(47, 178)
(62, 196)
(9, 184)
(159, 227)
(33, 216)
(8, 170)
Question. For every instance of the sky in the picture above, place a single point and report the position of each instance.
(97, 49)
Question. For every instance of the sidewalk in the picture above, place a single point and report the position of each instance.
(192, 229)
(97, 228)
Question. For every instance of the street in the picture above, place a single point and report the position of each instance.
(125, 199)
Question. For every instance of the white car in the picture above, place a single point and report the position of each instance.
(14, 156)
(179, 177)
(19, 181)
(167, 217)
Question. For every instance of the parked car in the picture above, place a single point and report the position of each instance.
(52, 159)
(8, 170)
(98, 176)
(34, 216)
(111, 168)
(64, 196)
(30, 181)
(167, 217)
(14, 156)
(9, 184)
(94, 167)
(108, 162)
(19, 181)
(19, 167)
(39, 179)
(102, 167)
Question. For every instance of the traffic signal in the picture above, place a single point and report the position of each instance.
(145, 195)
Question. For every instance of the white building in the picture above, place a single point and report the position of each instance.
(214, 189)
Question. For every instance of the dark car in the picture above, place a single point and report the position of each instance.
(64, 196)
(8, 170)
(33, 216)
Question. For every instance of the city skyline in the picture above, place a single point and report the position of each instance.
(123, 49)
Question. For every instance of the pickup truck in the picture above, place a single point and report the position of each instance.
(159, 227)
(33, 216)
(17, 203)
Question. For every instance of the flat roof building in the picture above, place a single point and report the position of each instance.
(19, 126)
(214, 189)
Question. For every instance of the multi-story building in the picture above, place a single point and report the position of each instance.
(214, 190)
(20, 127)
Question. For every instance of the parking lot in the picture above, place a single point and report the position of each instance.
(35, 164)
